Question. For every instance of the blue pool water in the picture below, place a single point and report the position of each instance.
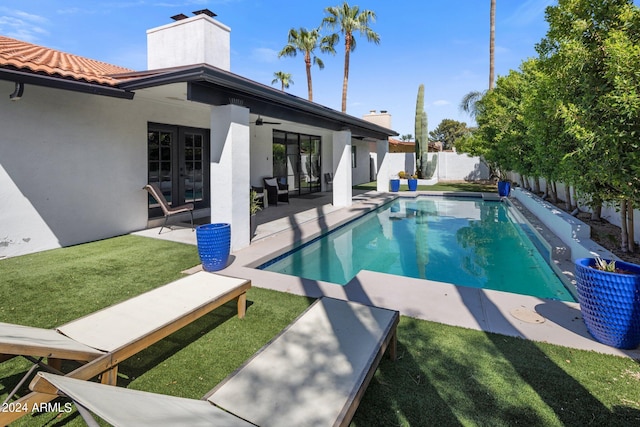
(463, 241)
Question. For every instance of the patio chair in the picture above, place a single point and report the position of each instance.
(276, 191)
(314, 372)
(109, 336)
(167, 209)
(328, 179)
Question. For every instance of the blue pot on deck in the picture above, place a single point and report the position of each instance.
(504, 188)
(214, 245)
(395, 185)
(610, 302)
(413, 184)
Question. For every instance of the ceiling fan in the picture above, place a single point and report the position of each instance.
(260, 122)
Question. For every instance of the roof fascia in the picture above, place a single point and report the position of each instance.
(205, 75)
(64, 84)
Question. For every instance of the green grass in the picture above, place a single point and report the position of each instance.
(458, 186)
(445, 375)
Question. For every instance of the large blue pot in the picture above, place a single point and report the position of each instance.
(214, 245)
(610, 302)
(413, 184)
(504, 188)
(395, 185)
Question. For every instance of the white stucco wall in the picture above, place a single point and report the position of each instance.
(72, 165)
(451, 166)
(461, 167)
(360, 174)
(610, 212)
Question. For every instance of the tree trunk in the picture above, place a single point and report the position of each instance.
(492, 43)
(553, 194)
(567, 198)
(536, 185)
(345, 81)
(574, 199)
(624, 236)
(630, 227)
(307, 63)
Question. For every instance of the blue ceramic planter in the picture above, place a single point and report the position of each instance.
(504, 188)
(413, 184)
(214, 245)
(610, 302)
(395, 185)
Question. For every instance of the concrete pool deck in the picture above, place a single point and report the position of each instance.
(527, 317)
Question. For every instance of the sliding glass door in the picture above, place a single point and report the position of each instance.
(296, 161)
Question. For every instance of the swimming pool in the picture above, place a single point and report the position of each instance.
(462, 241)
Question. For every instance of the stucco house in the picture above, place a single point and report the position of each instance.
(80, 139)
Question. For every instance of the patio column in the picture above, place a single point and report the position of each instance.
(382, 179)
(230, 171)
(342, 180)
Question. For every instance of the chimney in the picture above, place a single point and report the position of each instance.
(198, 39)
(381, 119)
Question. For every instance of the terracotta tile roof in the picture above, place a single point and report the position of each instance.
(20, 55)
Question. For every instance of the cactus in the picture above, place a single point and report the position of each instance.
(421, 133)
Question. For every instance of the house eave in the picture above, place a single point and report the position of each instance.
(213, 86)
(30, 78)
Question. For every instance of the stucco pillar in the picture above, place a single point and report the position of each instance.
(230, 171)
(382, 179)
(342, 180)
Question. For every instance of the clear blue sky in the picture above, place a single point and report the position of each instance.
(441, 44)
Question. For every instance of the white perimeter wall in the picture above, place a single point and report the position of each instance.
(72, 165)
(610, 212)
(451, 166)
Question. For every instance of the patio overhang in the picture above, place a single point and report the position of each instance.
(32, 78)
(213, 86)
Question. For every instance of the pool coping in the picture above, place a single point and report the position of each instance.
(527, 317)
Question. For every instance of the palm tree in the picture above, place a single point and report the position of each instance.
(306, 41)
(349, 20)
(492, 42)
(469, 103)
(282, 77)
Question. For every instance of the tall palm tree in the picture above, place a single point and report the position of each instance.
(306, 41)
(282, 77)
(492, 42)
(350, 20)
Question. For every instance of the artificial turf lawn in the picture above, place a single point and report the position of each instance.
(444, 375)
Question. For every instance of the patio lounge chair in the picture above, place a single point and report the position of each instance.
(167, 209)
(276, 192)
(109, 336)
(314, 372)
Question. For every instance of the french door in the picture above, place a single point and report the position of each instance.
(178, 161)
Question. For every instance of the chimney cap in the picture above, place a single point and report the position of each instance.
(179, 17)
(383, 111)
(204, 12)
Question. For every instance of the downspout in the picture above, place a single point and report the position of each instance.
(17, 93)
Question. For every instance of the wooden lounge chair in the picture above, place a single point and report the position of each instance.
(167, 209)
(314, 372)
(115, 333)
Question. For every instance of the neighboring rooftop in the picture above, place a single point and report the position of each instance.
(26, 56)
